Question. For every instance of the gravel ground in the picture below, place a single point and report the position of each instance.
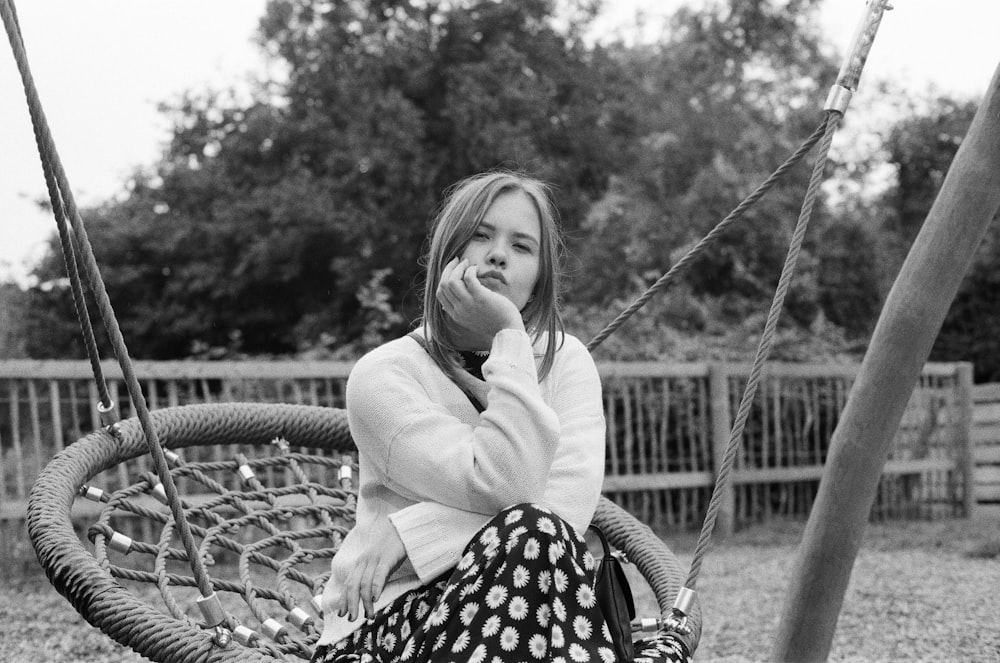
(919, 592)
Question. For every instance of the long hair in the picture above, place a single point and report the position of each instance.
(464, 207)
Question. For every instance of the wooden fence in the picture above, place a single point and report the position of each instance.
(986, 443)
(667, 427)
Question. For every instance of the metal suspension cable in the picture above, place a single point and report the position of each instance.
(69, 258)
(763, 348)
(49, 155)
(688, 259)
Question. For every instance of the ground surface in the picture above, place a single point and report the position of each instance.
(919, 592)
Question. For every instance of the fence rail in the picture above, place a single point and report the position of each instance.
(986, 442)
(667, 427)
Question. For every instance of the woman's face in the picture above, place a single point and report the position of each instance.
(506, 247)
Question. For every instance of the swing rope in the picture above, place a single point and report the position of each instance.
(831, 124)
(682, 265)
(62, 199)
(68, 252)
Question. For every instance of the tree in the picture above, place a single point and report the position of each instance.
(732, 90)
(266, 227)
(921, 148)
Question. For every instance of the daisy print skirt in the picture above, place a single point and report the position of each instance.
(523, 591)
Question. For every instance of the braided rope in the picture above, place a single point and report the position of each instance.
(688, 259)
(763, 348)
(48, 152)
(224, 519)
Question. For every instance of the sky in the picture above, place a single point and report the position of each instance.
(103, 66)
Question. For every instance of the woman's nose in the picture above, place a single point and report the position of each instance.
(497, 256)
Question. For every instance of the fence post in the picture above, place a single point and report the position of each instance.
(963, 435)
(718, 390)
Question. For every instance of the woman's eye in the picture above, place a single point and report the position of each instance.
(523, 247)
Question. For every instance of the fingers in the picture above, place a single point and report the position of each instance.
(366, 588)
(364, 585)
(452, 290)
(352, 588)
(471, 280)
(382, 572)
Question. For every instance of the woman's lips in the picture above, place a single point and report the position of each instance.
(493, 274)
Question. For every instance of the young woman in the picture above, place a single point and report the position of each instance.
(481, 455)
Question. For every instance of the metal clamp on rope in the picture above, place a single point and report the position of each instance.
(678, 620)
(646, 625)
(245, 636)
(273, 628)
(172, 457)
(346, 476)
(299, 618)
(121, 543)
(317, 604)
(108, 415)
(838, 100)
(93, 493)
(246, 473)
(211, 609)
(160, 493)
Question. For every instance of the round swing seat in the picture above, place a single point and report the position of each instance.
(266, 499)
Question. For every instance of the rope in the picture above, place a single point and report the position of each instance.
(47, 151)
(69, 256)
(831, 123)
(685, 262)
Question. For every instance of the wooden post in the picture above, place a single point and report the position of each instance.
(718, 389)
(901, 342)
(963, 435)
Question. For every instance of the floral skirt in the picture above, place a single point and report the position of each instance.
(522, 592)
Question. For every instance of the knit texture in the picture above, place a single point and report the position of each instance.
(440, 470)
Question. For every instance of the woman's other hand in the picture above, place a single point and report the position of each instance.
(364, 581)
(475, 308)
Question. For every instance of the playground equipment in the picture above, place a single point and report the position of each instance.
(901, 343)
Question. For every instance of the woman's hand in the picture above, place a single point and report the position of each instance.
(384, 552)
(476, 309)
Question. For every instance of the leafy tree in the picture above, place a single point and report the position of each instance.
(265, 225)
(729, 94)
(921, 148)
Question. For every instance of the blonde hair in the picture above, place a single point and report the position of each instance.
(463, 209)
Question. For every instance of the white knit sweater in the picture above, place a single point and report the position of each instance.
(439, 470)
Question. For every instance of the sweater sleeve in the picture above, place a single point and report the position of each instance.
(577, 473)
(435, 535)
(426, 453)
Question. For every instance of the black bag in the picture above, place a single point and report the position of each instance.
(614, 596)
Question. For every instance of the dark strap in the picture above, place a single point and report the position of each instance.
(476, 403)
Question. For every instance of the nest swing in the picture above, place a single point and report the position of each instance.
(285, 609)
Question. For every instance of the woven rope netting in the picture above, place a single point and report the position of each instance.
(267, 522)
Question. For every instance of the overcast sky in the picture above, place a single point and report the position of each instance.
(103, 66)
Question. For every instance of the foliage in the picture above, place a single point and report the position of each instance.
(294, 222)
(263, 226)
(12, 310)
(920, 148)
